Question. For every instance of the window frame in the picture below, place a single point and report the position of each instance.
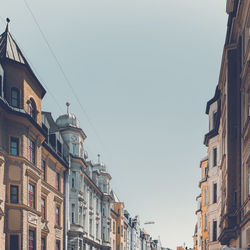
(17, 98)
(43, 246)
(32, 203)
(31, 151)
(58, 181)
(11, 194)
(58, 244)
(215, 158)
(43, 208)
(214, 231)
(214, 192)
(11, 240)
(32, 108)
(14, 140)
(43, 168)
(58, 215)
(30, 247)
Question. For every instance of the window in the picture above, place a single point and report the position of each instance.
(57, 215)
(43, 166)
(59, 147)
(83, 220)
(32, 108)
(122, 230)
(73, 214)
(14, 146)
(14, 97)
(0, 85)
(43, 243)
(31, 151)
(90, 226)
(14, 242)
(32, 240)
(74, 149)
(248, 180)
(214, 230)
(113, 226)
(31, 196)
(118, 229)
(97, 230)
(43, 208)
(58, 181)
(90, 199)
(13, 194)
(215, 192)
(80, 215)
(248, 94)
(73, 179)
(205, 222)
(214, 119)
(58, 245)
(214, 156)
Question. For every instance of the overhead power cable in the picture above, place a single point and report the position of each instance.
(63, 73)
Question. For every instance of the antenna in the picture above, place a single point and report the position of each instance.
(99, 156)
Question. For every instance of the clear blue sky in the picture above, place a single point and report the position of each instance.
(143, 71)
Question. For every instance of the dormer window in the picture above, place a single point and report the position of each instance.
(15, 97)
(32, 108)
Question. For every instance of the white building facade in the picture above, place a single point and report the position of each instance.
(87, 193)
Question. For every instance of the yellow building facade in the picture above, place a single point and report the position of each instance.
(31, 174)
(203, 184)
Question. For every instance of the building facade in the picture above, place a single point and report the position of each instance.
(228, 137)
(234, 84)
(87, 189)
(27, 191)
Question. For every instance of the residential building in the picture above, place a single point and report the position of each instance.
(203, 184)
(127, 222)
(228, 137)
(25, 194)
(121, 237)
(87, 186)
(113, 231)
(213, 140)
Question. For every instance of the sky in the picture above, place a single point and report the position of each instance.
(142, 71)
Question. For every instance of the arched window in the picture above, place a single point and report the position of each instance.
(15, 97)
(32, 108)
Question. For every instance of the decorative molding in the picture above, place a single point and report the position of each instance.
(32, 175)
(58, 200)
(32, 218)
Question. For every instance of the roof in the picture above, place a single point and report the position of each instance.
(9, 50)
(114, 196)
(214, 99)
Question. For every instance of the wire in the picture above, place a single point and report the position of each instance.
(63, 73)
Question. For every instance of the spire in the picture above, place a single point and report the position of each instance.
(10, 51)
(67, 104)
(7, 25)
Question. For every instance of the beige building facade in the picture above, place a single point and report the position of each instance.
(31, 176)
